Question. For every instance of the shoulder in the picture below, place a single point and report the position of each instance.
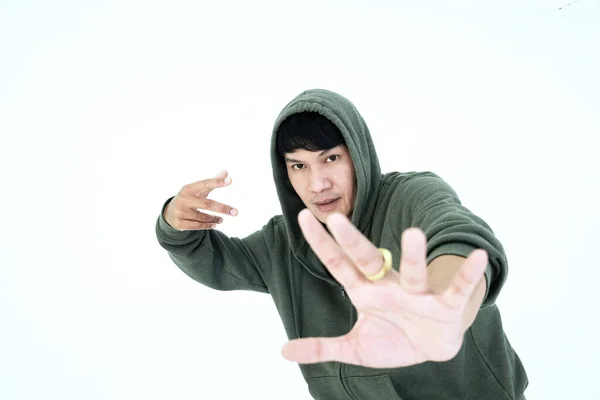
(405, 190)
(402, 183)
(274, 229)
(409, 176)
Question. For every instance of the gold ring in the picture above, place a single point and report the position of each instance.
(387, 265)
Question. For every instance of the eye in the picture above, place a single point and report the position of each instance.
(297, 167)
(333, 158)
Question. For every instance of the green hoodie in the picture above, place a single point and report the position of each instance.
(277, 260)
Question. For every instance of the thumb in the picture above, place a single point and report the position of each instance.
(316, 350)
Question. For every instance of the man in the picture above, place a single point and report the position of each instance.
(426, 329)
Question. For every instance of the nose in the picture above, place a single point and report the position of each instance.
(319, 182)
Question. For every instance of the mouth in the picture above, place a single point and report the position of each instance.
(328, 204)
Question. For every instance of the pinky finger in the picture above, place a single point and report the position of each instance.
(189, 225)
(466, 279)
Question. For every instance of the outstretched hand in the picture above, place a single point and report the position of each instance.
(401, 322)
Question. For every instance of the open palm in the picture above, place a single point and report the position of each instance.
(400, 321)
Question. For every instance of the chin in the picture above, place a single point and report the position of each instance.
(323, 215)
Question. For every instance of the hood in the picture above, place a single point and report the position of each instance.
(346, 117)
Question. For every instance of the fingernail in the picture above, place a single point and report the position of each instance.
(233, 211)
(227, 180)
(220, 220)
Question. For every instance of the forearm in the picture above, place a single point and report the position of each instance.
(442, 270)
(214, 259)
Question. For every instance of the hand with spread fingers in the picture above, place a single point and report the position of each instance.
(401, 321)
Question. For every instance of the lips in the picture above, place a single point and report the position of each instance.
(328, 204)
(325, 202)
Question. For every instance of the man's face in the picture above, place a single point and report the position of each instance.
(324, 180)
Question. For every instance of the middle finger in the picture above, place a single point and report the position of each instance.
(211, 205)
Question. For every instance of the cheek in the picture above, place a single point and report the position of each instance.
(349, 186)
(351, 197)
(297, 184)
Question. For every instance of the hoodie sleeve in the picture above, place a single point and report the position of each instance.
(216, 260)
(428, 202)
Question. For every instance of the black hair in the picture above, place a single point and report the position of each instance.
(308, 131)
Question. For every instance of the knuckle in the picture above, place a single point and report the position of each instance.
(335, 261)
(355, 242)
(208, 203)
(463, 278)
(176, 213)
(363, 262)
(178, 203)
(203, 219)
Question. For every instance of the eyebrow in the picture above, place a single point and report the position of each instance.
(324, 152)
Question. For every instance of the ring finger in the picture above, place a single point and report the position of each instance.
(199, 216)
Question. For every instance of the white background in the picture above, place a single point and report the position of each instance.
(109, 108)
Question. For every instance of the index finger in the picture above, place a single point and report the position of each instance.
(328, 251)
(206, 185)
(359, 249)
